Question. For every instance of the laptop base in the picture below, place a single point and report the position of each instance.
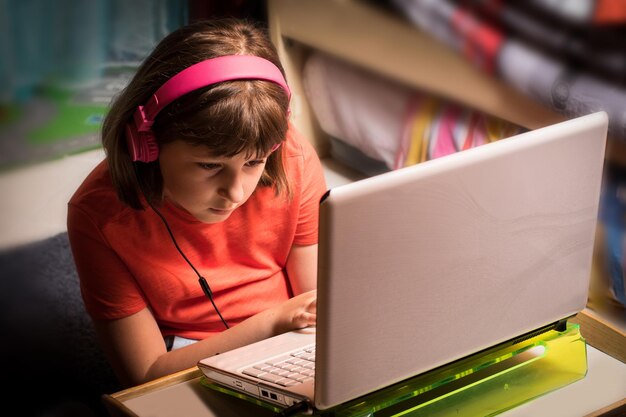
(487, 383)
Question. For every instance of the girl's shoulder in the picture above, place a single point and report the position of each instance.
(97, 198)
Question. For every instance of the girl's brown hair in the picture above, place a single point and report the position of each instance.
(231, 117)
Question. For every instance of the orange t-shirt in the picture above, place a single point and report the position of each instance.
(126, 260)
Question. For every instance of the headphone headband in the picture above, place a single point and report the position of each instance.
(140, 138)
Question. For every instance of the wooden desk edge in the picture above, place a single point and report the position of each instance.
(115, 402)
(601, 334)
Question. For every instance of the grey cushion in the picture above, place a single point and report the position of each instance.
(49, 347)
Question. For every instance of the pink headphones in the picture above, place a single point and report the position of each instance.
(139, 136)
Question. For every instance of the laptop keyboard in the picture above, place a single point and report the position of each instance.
(286, 370)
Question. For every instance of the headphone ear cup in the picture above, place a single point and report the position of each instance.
(142, 146)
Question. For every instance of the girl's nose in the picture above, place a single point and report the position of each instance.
(231, 187)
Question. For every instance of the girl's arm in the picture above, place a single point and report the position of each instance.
(135, 348)
(302, 268)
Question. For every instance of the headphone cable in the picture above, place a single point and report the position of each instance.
(203, 282)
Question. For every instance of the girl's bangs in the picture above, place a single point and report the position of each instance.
(250, 120)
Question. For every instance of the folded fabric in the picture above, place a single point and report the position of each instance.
(390, 122)
(351, 104)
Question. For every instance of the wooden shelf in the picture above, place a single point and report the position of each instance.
(374, 39)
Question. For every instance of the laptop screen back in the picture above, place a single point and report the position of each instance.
(428, 264)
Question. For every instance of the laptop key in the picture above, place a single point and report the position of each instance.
(270, 377)
(280, 372)
(301, 378)
(285, 382)
(253, 372)
(289, 367)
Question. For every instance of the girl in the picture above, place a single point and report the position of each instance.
(198, 232)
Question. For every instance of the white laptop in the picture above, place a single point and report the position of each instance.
(434, 262)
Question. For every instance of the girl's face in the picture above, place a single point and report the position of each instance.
(208, 187)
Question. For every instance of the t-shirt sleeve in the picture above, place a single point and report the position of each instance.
(108, 289)
(312, 188)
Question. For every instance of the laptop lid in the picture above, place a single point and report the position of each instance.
(428, 264)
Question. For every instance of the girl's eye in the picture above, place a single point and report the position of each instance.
(255, 163)
(208, 166)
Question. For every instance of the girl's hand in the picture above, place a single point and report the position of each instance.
(296, 313)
